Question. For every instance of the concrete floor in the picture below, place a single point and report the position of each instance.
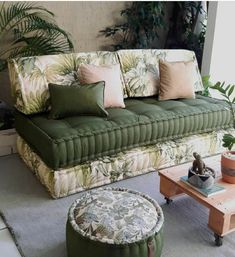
(7, 245)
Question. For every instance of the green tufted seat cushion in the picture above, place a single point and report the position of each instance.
(74, 140)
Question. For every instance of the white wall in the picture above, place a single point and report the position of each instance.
(219, 51)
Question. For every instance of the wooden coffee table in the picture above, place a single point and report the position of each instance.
(221, 206)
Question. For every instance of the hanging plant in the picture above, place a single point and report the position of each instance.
(27, 30)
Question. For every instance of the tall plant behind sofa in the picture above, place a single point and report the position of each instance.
(174, 25)
(187, 27)
(27, 29)
(140, 27)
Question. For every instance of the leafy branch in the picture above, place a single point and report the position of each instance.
(207, 84)
(227, 92)
(142, 21)
(27, 30)
(182, 30)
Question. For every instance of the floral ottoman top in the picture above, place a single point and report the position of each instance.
(115, 216)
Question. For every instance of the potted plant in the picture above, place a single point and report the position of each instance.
(26, 29)
(228, 157)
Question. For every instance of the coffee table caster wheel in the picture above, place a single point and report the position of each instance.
(218, 240)
(168, 200)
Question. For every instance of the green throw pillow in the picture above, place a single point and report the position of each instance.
(77, 100)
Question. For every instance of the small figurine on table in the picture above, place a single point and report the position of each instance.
(199, 174)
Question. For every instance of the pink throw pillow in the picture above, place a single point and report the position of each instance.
(176, 80)
(113, 93)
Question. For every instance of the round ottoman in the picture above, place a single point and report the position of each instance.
(114, 222)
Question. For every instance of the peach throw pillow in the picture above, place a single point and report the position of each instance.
(176, 80)
(113, 93)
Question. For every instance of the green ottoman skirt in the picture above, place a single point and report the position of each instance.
(114, 222)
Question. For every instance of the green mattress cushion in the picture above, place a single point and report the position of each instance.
(74, 140)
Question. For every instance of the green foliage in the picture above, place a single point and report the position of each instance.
(142, 22)
(227, 92)
(182, 30)
(28, 30)
(207, 84)
(229, 141)
(189, 12)
(141, 26)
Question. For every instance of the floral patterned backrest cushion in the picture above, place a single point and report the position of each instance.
(30, 76)
(140, 69)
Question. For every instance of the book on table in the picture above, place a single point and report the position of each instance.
(216, 189)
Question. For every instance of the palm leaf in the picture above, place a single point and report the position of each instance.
(10, 16)
(39, 25)
(32, 30)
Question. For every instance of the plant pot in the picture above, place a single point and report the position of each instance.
(205, 181)
(228, 166)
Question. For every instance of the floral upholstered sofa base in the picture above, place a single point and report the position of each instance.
(124, 165)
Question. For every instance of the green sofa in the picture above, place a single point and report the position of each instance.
(80, 152)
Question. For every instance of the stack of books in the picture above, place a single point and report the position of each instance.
(216, 189)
